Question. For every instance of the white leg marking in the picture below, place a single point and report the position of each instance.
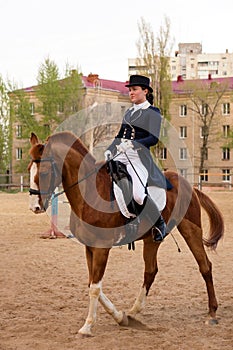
(94, 293)
(110, 308)
(139, 302)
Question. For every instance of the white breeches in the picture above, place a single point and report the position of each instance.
(139, 175)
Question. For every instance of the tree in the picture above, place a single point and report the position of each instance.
(43, 107)
(205, 97)
(71, 90)
(153, 61)
(58, 98)
(22, 117)
(48, 93)
(5, 128)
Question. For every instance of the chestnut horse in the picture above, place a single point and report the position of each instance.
(65, 160)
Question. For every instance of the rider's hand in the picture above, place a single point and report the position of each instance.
(107, 155)
(124, 145)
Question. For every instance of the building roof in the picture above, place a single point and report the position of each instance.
(181, 86)
(93, 81)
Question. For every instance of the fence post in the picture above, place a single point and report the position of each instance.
(199, 183)
(21, 183)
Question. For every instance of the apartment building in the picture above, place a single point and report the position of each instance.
(182, 150)
(102, 101)
(182, 135)
(190, 62)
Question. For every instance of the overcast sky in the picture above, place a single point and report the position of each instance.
(99, 36)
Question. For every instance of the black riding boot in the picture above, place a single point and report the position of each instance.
(152, 213)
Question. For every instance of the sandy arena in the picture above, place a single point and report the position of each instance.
(44, 293)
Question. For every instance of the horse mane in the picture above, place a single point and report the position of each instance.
(72, 141)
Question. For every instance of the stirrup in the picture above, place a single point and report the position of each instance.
(157, 234)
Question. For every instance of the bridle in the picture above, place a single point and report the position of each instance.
(54, 174)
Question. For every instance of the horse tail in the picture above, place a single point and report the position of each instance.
(216, 230)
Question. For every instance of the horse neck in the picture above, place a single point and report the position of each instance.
(76, 177)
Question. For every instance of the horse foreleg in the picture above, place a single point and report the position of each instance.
(96, 262)
(94, 293)
(150, 258)
(119, 316)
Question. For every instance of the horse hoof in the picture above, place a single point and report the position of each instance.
(84, 333)
(124, 322)
(211, 321)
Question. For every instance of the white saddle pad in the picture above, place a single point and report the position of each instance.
(157, 194)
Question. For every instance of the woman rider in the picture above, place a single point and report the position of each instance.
(139, 131)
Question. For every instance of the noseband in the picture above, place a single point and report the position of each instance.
(54, 174)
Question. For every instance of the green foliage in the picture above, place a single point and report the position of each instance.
(5, 128)
(48, 91)
(44, 107)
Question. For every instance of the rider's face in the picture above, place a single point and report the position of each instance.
(137, 94)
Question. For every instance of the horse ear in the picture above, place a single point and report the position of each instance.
(33, 139)
(40, 149)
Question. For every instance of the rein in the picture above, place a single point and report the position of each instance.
(95, 170)
(54, 173)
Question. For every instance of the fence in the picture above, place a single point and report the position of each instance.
(21, 182)
(216, 181)
(10, 182)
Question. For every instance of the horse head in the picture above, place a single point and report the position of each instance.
(44, 175)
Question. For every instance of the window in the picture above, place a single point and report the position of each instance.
(204, 175)
(183, 132)
(226, 176)
(183, 172)
(204, 131)
(204, 109)
(183, 153)
(183, 110)
(226, 130)
(19, 153)
(201, 132)
(163, 153)
(226, 153)
(226, 108)
(18, 131)
(32, 108)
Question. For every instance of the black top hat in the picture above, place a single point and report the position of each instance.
(139, 80)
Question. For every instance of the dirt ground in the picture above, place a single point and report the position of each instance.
(44, 293)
